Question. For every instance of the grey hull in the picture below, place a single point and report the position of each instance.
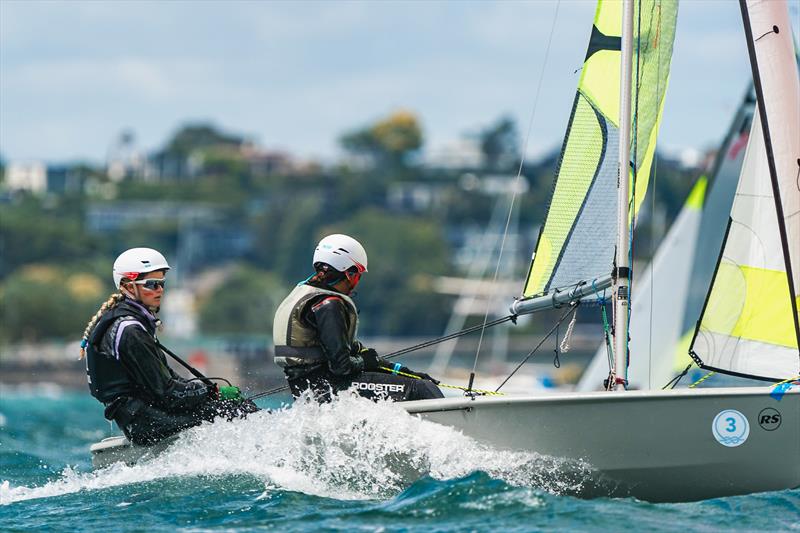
(119, 449)
(655, 446)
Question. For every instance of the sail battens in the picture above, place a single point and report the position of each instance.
(578, 237)
(735, 353)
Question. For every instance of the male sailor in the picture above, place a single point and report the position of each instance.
(314, 332)
(127, 369)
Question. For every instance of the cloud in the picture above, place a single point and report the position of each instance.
(298, 74)
(81, 77)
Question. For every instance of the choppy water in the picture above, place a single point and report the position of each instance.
(350, 465)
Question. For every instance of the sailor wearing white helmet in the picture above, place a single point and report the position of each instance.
(314, 331)
(127, 369)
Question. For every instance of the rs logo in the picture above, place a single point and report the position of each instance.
(769, 419)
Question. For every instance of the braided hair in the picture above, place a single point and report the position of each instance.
(112, 302)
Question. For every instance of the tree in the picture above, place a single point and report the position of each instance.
(500, 144)
(405, 254)
(35, 230)
(43, 302)
(196, 136)
(389, 141)
(244, 303)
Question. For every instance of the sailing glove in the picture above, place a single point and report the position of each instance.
(230, 393)
(372, 363)
(419, 375)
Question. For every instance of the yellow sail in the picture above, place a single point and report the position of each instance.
(577, 239)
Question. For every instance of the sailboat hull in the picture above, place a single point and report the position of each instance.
(674, 441)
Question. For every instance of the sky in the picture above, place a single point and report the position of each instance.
(295, 76)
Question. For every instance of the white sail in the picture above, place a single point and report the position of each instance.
(749, 324)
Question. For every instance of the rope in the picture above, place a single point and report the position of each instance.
(515, 189)
(574, 308)
(564, 346)
(786, 381)
(699, 381)
(477, 391)
(606, 330)
(444, 338)
(674, 381)
(270, 392)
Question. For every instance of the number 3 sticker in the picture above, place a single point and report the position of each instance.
(730, 428)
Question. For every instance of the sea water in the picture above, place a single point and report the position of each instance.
(349, 465)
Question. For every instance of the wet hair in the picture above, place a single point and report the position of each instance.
(112, 302)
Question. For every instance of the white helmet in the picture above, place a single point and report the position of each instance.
(136, 261)
(341, 252)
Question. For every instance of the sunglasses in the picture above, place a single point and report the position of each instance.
(151, 284)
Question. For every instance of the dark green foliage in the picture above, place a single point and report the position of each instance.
(500, 145)
(43, 303)
(195, 136)
(405, 253)
(35, 230)
(244, 303)
(388, 142)
(283, 216)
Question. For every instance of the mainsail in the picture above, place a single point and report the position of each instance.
(671, 290)
(577, 239)
(750, 325)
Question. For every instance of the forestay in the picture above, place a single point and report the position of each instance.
(577, 239)
(749, 325)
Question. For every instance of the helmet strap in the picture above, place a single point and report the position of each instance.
(124, 290)
(135, 296)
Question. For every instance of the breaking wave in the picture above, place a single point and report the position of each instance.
(349, 449)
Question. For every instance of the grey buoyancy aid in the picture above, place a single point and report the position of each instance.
(297, 343)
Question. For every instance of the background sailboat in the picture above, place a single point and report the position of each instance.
(673, 445)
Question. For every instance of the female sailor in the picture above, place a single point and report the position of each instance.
(314, 331)
(127, 369)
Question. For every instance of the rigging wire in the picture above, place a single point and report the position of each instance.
(515, 188)
(634, 162)
(573, 309)
(652, 226)
(409, 349)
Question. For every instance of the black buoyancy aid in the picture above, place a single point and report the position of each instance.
(297, 342)
(107, 377)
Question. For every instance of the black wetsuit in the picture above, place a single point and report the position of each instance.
(129, 374)
(331, 317)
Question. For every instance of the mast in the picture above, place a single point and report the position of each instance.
(621, 285)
